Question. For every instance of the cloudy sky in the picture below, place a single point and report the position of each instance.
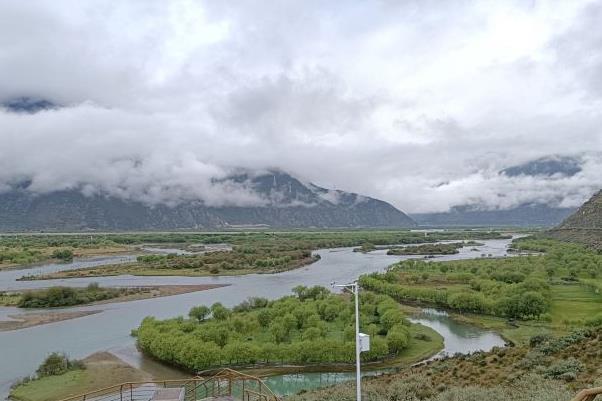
(419, 103)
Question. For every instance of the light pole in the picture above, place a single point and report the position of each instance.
(362, 341)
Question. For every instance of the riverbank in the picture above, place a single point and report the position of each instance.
(111, 329)
(102, 370)
(45, 256)
(141, 269)
(119, 294)
(25, 320)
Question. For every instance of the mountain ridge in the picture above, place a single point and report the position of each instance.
(584, 226)
(289, 203)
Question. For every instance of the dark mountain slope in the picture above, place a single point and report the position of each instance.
(583, 226)
(289, 204)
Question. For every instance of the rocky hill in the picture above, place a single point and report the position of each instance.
(289, 203)
(584, 226)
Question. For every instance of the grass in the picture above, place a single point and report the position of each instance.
(574, 303)
(102, 370)
(571, 305)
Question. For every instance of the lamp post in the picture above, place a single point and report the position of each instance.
(362, 341)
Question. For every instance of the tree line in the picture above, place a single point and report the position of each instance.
(312, 326)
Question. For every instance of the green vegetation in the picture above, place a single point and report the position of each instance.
(68, 296)
(427, 249)
(56, 364)
(16, 250)
(66, 255)
(251, 252)
(314, 326)
(366, 247)
(101, 370)
(9, 298)
(548, 369)
(554, 291)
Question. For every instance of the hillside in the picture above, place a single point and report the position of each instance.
(583, 226)
(289, 203)
(547, 370)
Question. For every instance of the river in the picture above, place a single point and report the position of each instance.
(23, 350)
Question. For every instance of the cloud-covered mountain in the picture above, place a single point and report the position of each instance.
(26, 104)
(548, 166)
(550, 211)
(279, 201)
(152, 113)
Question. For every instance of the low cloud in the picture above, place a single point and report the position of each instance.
(417, 103)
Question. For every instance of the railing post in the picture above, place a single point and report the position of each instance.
(131, 392)
(121, 392)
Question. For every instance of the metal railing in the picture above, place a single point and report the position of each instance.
(225, 383)
(134, 391)
(228, 382)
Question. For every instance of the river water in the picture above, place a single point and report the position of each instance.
(22, 351)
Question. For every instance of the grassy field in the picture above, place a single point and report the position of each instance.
(572, 304)
(102, 370)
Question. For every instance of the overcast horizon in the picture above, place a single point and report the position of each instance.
(418, 103)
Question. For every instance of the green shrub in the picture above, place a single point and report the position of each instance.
(57, 364)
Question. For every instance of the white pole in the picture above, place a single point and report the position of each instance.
(357, 342)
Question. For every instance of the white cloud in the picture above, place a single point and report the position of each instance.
(389, 99)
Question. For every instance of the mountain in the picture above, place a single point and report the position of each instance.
(547, 166)
(289, 203)
(583, 226)
(27, 105)
(525, 215)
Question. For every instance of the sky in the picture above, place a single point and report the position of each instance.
(419, 103)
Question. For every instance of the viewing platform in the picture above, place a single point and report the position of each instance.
(226, 385)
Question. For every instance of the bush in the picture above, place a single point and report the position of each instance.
(566, 369)
(57, 364)
(65, 255)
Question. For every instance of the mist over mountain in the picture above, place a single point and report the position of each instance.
(548, 212)
(26, 104)
(279, 201)
(547, 167)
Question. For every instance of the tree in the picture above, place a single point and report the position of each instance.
(278, 332)
(219, 311)
(397, 339)
(199, 313)
(264, 317)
